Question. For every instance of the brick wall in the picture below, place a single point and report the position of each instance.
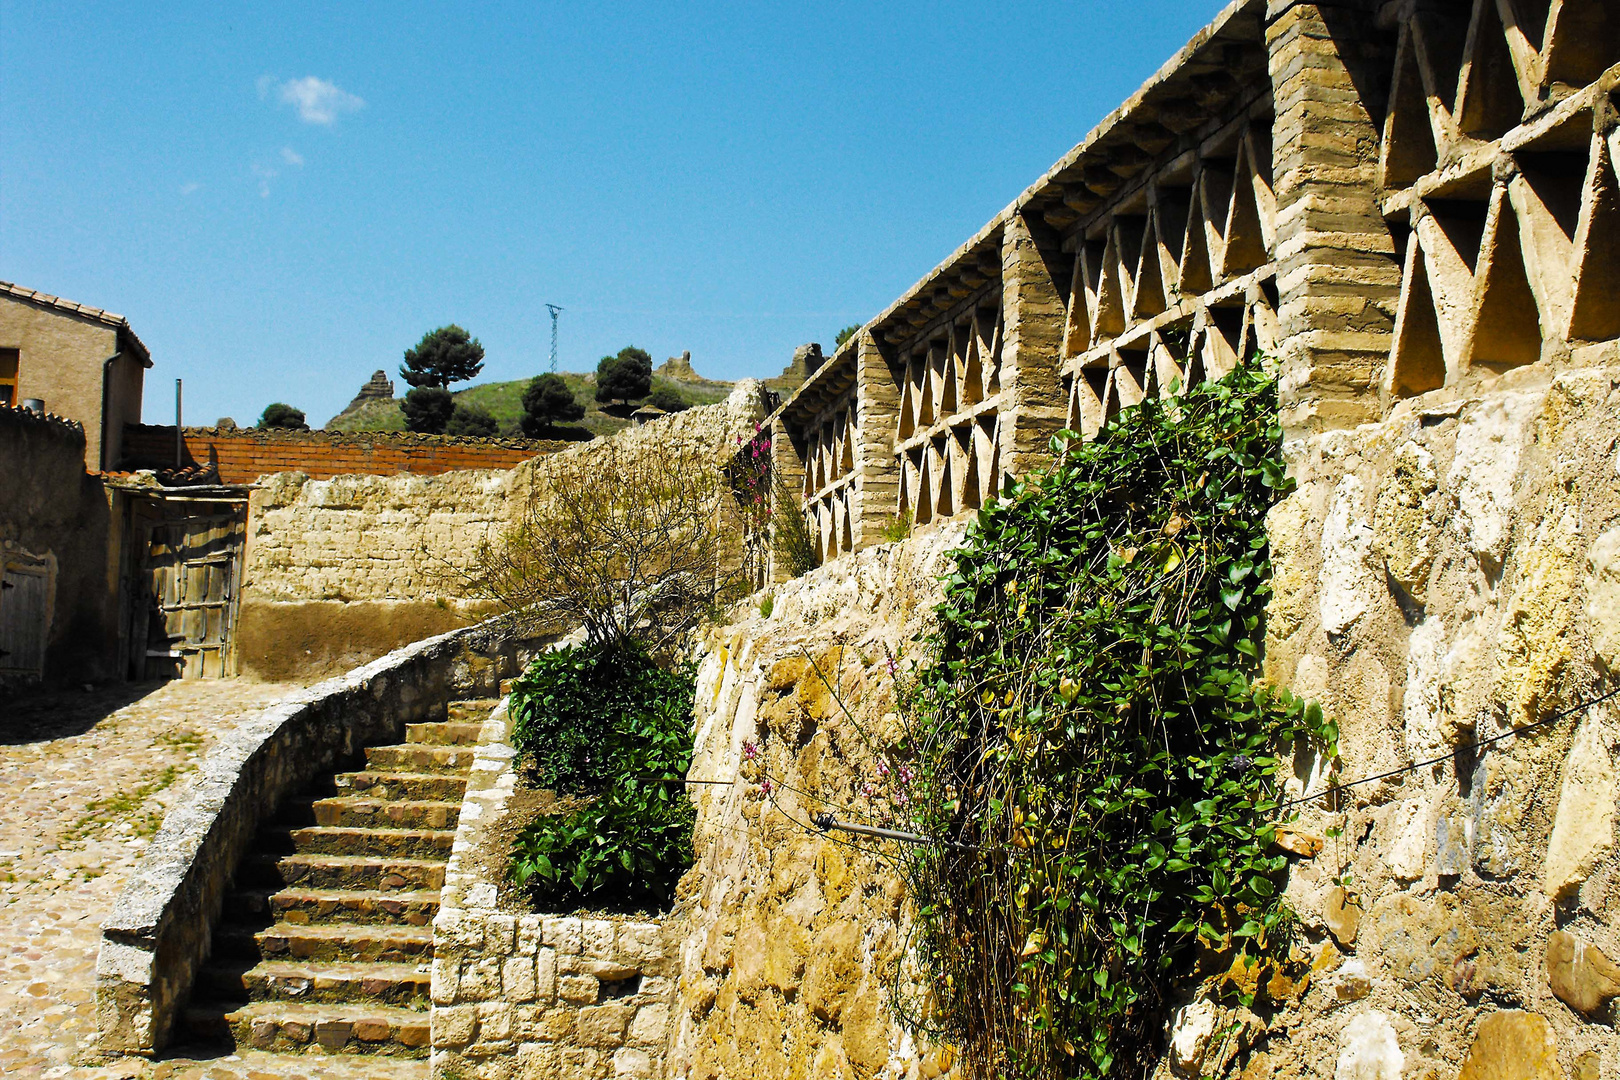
(246, 455)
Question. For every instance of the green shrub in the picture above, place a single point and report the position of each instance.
(281, 415)
(605, 721)
(428, 409)
(472, 421)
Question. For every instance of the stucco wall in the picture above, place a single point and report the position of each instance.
(52, 512)
(61, 358)
(339, 571)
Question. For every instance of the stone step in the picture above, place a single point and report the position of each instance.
(445, 734)
(341, 840)
(407, 907)
(339, 942)
(355, 811)
(406, 985)
(365, 872)
(419, 758)
(334, 1029)
(406, 786)
(476, 710)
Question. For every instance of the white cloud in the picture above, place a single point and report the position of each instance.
(190, 187)
(265, 174)
(292, 157)
(317, 101)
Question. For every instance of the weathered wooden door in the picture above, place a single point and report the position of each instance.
(190, 570)
(24, 616)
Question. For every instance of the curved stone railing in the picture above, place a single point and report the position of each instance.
(159, 932)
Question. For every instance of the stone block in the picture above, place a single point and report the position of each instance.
(1582, 976)
(457, 933)
(1342, 913)
(1583, 827)
(545, 976)
(632, 1064)
(518, 979)
(562, 934)
(1369, 1050)
(528, 934)
(480, 980)
(640, 944)
(500, 934)
(539, 1061)
(602, 1025)
(333, 1034)
(557, 1025)
(578, 988)
(455, 1026)
(494, 1021)
(1512, 1045)
(1416, 939)
(650, 1025)
(596, 938)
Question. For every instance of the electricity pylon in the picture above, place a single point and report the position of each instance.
(555, 310)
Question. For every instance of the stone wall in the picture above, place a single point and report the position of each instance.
(1450, 575)
(1408, 205)
(341, 570)
(789, 939)
(544, 997)
(58, 526)
(158, 934)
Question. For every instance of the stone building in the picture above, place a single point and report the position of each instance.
(85, 363)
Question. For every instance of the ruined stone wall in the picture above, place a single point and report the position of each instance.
(342, 570)
(788, 938)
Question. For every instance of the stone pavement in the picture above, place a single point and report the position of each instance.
(85, 778)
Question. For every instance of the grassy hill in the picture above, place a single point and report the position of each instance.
(504, 400)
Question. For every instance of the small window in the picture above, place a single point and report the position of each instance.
(8, 377)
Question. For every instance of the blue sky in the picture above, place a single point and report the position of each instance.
(283, 197)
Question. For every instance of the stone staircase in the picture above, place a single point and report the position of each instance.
(326, 939)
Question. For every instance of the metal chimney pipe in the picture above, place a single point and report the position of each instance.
(179, 433)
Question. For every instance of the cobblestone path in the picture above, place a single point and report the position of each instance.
(85, 778)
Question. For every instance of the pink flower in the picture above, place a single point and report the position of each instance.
(765, 786)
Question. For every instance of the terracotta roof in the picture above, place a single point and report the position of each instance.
(126, 336)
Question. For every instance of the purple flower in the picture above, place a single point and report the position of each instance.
(894, 667)
(765, 786)
(882, 767)
(750, 751)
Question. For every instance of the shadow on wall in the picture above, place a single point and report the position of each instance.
(305, 641)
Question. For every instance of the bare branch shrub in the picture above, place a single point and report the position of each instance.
(627, 543)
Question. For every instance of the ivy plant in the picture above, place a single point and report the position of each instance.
(1097, 764)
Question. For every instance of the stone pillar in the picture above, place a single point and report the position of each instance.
(877, 473)
(1337, 276)
(787, 483)
(1033, 274)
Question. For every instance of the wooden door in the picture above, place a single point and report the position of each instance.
(24, 592)
(190, 570)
